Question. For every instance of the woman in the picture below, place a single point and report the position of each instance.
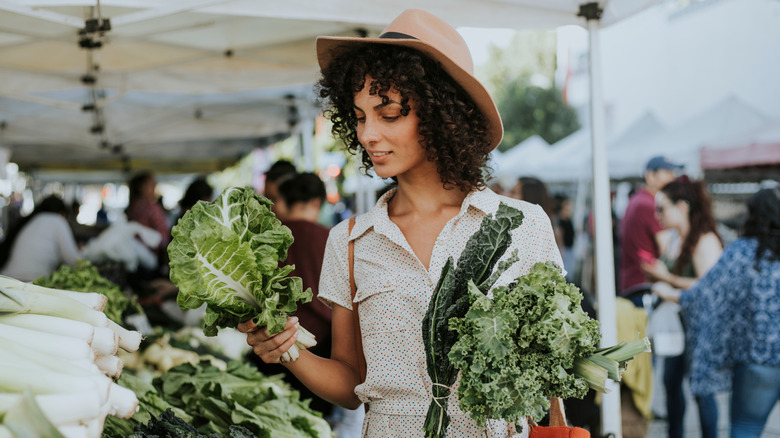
(735, 319)
(39, 243)
(147, 211)
(408, 104)
(687, 254)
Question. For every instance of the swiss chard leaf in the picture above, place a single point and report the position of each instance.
(226, 253)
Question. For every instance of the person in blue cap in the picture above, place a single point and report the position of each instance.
(640, 226)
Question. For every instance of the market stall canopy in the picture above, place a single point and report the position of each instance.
(191, 85)
(683, 141)
(750, 155)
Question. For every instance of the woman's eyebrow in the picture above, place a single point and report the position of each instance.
(377, 107)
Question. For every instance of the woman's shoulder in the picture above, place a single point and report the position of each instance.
(530, 211)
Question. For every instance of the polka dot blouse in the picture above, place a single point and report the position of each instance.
(393, 291)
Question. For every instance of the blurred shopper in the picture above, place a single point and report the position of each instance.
(732, 319)
(279, 172)
(686, 254)
(303, 195)
(145, 209)
(563, 223)
(639, 227)
(198, 190)
(533, 190)
(40, 243)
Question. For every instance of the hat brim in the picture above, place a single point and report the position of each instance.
(328, 48)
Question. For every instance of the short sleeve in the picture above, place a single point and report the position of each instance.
(334, 276)
(647, 215)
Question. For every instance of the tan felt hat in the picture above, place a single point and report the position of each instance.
(427, 33)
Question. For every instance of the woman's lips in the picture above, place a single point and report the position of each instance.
(379, 157)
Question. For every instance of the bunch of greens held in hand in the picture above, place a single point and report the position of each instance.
(451, 299)
(226, 253)
(531, 340)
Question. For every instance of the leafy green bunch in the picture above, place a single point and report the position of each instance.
(205, 401)
(450, 299)
(519, 348)
(226, 253)
(85, 277)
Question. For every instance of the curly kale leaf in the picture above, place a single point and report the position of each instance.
(519, 348)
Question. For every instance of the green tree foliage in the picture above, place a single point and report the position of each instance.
(527, 110)
(517, 75)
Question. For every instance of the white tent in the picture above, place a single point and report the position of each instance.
(568, 159)
(184, 49)
(516, 161)
(682, 142)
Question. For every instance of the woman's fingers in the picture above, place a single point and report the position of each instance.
(247, 326)
(271, 348)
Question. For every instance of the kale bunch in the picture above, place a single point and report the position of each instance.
(519, 348)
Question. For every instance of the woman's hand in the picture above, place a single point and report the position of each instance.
(656, 270)
(270, 348)
(667, 292)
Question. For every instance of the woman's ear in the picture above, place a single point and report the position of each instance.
(683, 206)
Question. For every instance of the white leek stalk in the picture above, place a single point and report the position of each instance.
(13, 301)
(105, 342)
(51, 324)
(129, 340)
(65, 408)
(93, 300)
(56, 345)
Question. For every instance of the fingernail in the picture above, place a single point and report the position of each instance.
(294, 319)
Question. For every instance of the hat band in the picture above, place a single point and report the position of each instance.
(397, 36)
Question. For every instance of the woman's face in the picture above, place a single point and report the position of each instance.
(390, 138)
(671, 215)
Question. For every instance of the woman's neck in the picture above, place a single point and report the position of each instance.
(423, 197)
(304, 211)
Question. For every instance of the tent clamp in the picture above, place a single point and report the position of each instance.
(591, 11)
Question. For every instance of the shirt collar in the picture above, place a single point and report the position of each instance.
(484, 200)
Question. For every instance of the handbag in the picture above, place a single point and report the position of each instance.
(557, 427)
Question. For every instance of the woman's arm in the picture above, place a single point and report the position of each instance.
(332, 379)
(706, 253)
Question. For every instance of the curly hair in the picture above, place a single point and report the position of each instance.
(453, 131)
(700, 216)
(763, 223)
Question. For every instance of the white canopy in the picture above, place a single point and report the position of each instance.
(682, 142)
(191, 85)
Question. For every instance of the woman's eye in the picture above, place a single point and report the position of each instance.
(391, 118)
(360, 119)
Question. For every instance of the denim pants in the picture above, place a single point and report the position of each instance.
(675, 369)
(755, 389)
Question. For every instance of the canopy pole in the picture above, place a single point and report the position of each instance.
(605, 268)
(307, 143)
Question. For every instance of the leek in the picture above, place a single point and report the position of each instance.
(13, 301)
(92, 300)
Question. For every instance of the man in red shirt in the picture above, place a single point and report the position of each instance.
(640, 225)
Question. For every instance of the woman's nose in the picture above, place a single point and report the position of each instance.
(368, 133)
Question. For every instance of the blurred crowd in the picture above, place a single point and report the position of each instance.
(711, 311)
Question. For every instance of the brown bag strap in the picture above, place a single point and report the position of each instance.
(557, 414)
(355, 317)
